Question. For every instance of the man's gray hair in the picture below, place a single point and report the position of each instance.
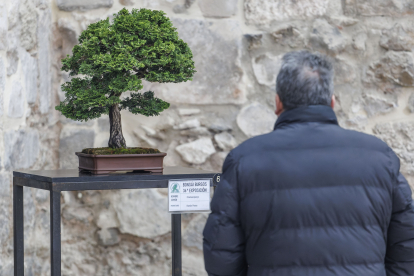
(305, 79)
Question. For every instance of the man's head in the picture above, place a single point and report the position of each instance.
(304, 79)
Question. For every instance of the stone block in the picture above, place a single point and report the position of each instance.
(225, 141)
(166, 123)
(5, 225)
(375, 105)
(216, 47)
(217, 124)
(327, 37)
(127, 2)
(399, 137)
(21, 149)
(398, 38)
(69, 36)
(7, 269)
(193, 233)
(349, 99)
(28, 25)
(380, 7)
(173, 158)
(41, 4)
(193, 123)
(183, 7)
(395, 68)
(179, 9)
(289, 35)
(29, 66)
(103, 124)
(188, 111)
(196, 132)
(2, 84)
(350, 7)
(107, 219)
(12, 61)
(72, 141)
(341, 20)
(13, 14)
(264, 12)
(142, 213)
(255, 41)
(218, 8)
(79, 214)
(150, 131)
(44, 51)
(359, 41)
(357, 123)
(5, 186)
(42, 195)
(3, 26)
(68, 121)
(83, 5)
(266, 67)
(16, 102)
(13, 40)
(410, 104)
(146, 141)
(217, 160)
(344, 72)
(85, 19)
(193, 263)
(196, 152)
(29, 214)
(108, 237)
(256, 119)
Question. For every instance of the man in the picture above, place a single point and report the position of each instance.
(310, 198)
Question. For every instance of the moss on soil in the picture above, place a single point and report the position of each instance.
(110, 151)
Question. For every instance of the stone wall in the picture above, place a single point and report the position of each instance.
(237, 46)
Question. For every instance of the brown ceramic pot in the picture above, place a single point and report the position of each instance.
(104, 164)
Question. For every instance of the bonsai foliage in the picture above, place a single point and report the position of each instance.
(114, 57)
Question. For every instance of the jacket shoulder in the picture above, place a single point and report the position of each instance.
(251, 145)
(336, 136)
(372, 142)
(367, 140)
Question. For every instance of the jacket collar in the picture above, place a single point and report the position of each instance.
(303, 114)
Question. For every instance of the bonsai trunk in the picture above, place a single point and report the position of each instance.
(116, 139)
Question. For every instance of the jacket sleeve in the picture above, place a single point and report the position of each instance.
(399, 260)
(223, 235)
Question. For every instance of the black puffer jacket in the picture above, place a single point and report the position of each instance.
(311, 199)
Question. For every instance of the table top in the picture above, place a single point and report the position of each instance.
(68, 176)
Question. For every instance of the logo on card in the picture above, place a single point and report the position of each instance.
(175, 187)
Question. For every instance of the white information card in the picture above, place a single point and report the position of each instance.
(188, 196)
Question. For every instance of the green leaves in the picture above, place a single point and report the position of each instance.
(145, 104)
(86, 98)
(114, 57)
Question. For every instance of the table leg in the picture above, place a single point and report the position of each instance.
(18, 228)
(55, 258)
(176, 244)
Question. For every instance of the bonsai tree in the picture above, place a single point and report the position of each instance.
(114, 57)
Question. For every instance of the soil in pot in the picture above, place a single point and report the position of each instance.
(109, 151)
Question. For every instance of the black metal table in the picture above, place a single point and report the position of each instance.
(57, 181)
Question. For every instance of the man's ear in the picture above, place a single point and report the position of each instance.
(279, 105)
(333, 101)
